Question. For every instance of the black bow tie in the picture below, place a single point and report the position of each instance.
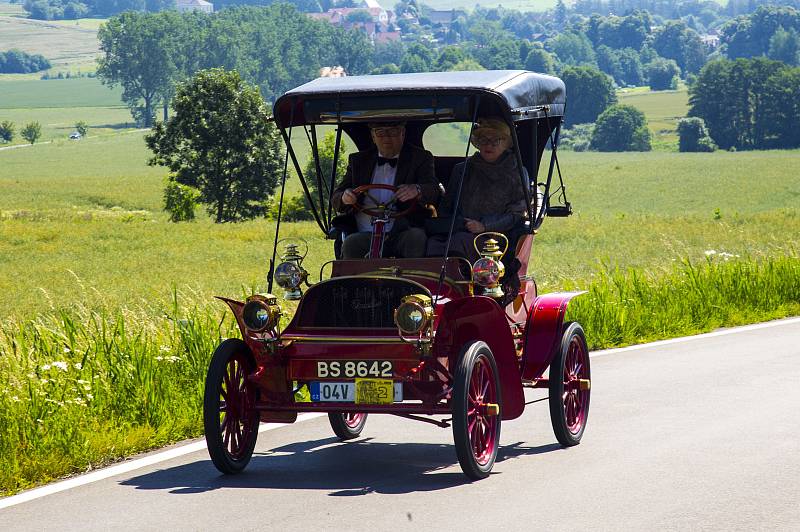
(386, 160)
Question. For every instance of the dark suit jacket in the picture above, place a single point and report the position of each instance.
(414, 166)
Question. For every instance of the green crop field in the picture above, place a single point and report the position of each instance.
(663, 109)
(58, 104)
(71, 46)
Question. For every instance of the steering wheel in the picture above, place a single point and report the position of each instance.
(381, 209)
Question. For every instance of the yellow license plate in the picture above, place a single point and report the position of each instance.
(374, 391)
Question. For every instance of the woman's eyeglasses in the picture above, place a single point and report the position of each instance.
(487, 141)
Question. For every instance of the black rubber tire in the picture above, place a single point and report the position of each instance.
(558, 414)
(223, 459)
(470, 354)
(342, 429)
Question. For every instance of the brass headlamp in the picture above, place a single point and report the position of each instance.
(290, 273)
(414, 314)
(261, 312)
(489, 269)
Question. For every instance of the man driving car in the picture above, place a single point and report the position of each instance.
(389, 162)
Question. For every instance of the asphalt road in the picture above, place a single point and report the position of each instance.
(700, 434)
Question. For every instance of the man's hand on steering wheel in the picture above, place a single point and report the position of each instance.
(408, 192)
(411, 192)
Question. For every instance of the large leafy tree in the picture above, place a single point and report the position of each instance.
(589, 92)
(572, 48)
(785, 46)
(749, 36)
(625, 32)
(140, 53)
(663, 74)
(621, 128)
(220, 141)
(678, 42)
(540, 60)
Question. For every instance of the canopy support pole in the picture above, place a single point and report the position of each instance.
(457, 202)
(288, 138)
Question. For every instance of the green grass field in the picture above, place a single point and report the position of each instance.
(663, 109)
(88, 215)
(71, 46)
(57, 104)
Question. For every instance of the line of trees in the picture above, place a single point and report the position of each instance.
(749, 103)
(275, 48)
(18, 62)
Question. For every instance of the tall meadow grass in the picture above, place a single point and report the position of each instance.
(83, 387)
(632, 306)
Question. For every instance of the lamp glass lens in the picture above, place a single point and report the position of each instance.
(288, 275)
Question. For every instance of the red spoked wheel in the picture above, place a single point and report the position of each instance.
(229, 415)
(347, 425)
(570, 387)
(476, 410)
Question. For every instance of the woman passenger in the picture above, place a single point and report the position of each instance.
(492, 196)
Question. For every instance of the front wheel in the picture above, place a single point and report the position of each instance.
(347, 425)
(570, 387)
(476, 410)
(229, 415)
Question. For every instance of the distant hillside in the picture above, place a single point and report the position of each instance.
(67, 44)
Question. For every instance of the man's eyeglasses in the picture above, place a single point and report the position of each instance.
(387, 131)
(487, 141)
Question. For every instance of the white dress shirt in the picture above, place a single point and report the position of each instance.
(383, 174)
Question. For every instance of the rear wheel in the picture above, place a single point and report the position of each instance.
(229, 415)
(570, 387)
(476, 410)
(347, 425)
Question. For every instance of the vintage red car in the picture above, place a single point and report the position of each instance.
(436, 339)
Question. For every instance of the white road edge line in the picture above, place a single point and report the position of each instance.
(126, 467)
(722, 332)
(155, 458)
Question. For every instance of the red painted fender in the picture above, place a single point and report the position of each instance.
(481, 318)
(543, 331)
(270, 374)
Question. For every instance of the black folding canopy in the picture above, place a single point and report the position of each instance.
(437, 96)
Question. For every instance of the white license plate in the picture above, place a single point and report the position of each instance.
(345, 392)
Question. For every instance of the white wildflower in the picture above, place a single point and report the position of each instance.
(15, 398)
(78, 366)
(164, 349)
(710, 252)
(89, 396)
(67, 349)
(159, 358)
(173, 358)
(46, 367)
(81, 381)
(63, 366)
(45, 381)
